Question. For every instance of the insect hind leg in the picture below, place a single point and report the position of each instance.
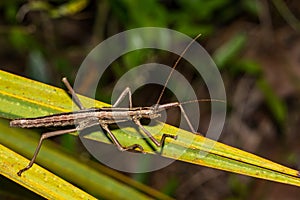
(72, 92)
(122, 96)
(42, 138)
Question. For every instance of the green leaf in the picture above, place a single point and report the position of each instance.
(247, 66)
(275, 104)
(70, 168)
(67, 9)
(19, 98)
(24, 141)
(229, 50)
(39, 181)
(287, 14)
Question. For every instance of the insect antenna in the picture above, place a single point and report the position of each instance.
(202, 100)
(175, 65)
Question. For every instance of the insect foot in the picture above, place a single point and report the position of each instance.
(164, 136)
(132, 148)
(22, 170)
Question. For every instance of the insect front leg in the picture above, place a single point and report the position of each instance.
(122, 96)
(117, 143)
(43, 137)
(156, 142)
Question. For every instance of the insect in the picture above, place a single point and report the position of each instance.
(89, 117)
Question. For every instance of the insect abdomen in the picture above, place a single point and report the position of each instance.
(41, 122)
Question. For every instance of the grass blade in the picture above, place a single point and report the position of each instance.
(16, 101)
(38, 180)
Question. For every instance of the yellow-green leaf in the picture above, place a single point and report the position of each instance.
(189, 147)
(105, 183)
(39, 180)
(67, 9)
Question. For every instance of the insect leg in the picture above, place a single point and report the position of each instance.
(43, 137)
(157, 143)
(122, 96)
(187, 119)
(116, 142)
(72, 92)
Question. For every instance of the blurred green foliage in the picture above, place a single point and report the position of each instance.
(227, 57)
(30, 26)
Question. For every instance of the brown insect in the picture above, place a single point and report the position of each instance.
(88, 117)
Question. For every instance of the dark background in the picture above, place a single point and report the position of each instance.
(255, 44)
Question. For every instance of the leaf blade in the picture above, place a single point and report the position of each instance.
(42, 182)
(185, 148)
